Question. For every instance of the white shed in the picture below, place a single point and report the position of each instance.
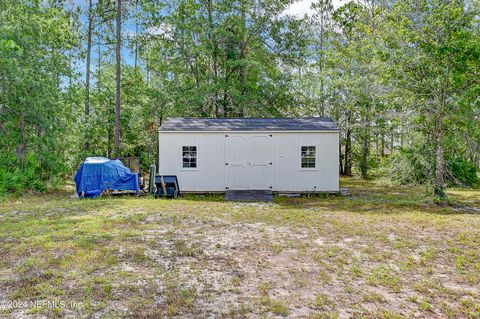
(278, 154)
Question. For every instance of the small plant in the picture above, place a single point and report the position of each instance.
(324, 315)
(276, 248)
(278, 308)
(265, 287)
(470, 308)
(324, 277)
(448, 311)
(356, 271)
(425, 306)
(322, 302)
(373, 297)
(182, 249)
(178, 296)
(413, 298)
(107, 289)
(385, 277)
(236, 281)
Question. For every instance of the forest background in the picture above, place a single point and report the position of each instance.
(97, 77)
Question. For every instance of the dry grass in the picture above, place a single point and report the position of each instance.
(384, 252)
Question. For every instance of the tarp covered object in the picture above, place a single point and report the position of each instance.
(97, 174)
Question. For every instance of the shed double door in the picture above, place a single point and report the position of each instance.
(248, 161)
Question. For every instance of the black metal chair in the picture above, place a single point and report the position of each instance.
(168, 187)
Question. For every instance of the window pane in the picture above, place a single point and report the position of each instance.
(189, 156)
(307, 155)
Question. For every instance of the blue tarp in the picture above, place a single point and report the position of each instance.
(97, 174)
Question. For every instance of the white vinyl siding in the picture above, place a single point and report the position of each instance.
(285, 173)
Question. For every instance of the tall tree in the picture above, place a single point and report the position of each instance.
(36, 50)
(87, 66)
(432, 46)
(223, 58)
(322, 18)
(118, 74)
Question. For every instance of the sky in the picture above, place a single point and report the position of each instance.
(302, 7)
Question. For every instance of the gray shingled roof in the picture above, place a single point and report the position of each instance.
(249, 124)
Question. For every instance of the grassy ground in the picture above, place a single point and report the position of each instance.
(383, 252)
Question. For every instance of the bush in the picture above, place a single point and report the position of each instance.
(462, 172)
(409, 167)
(15, 180)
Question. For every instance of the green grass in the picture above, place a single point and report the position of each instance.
(117, 257)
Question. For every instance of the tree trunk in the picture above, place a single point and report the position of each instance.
(243, 75)
(347, 170)
(147, 69)
(365, 146)
(213, 39)
(382, 151)
(439, 190)
(109, 143)
(21, 150)
(136, 33)
(342, 149)
(322, 86)
(341, 158)
(243, 92)
(87, 72)
(226, 109)
(118, 75)
(99, 62)
(391, 142)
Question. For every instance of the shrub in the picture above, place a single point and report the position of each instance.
(462, 172)
(35, 175)
(408, 166)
